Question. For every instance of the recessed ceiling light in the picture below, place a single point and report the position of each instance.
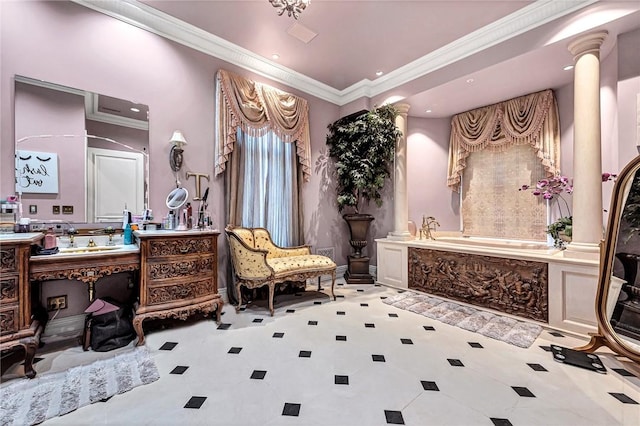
(275, 56)
(469, 80)
(379, 73)
(428, 110)
(568, 67)
(134, 109)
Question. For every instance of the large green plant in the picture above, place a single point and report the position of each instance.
(363, 149)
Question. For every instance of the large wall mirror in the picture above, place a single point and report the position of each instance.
(80, 156)
(618, 297)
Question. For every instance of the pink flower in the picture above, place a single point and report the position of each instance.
(542, 183)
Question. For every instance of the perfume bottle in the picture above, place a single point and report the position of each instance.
(49, 239)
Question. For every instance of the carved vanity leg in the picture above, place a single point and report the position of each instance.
(30, 352)
(137, 326)
(239, 296)
(272, 287)
(333, 283)
(218, 304)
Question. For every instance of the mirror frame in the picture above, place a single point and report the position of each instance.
(606, 335)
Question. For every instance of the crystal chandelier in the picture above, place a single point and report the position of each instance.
(292, 7)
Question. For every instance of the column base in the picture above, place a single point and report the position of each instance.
(400, 236)
(358, 271)
(588, 251)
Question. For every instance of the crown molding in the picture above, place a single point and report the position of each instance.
(143, 16)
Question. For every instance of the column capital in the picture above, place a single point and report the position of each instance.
(588, 43)
(403, 109)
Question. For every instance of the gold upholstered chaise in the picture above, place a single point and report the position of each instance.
(257, 262)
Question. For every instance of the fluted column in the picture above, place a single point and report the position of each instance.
(400, 198)
(587, 150)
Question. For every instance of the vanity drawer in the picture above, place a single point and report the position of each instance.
(9, 259)
(184, 266)
(175, 291)
(9, 289)
(9, 318)
(180, 246)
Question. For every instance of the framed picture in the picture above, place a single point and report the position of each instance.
(36, 172)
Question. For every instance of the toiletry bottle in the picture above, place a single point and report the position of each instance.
(189, 216)
(128, 234)
(49, 239)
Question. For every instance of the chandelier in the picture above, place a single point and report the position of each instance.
(292, 7)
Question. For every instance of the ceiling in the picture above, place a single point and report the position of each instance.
(443, 56)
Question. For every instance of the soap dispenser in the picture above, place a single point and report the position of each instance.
(128, 234)
(49, 239)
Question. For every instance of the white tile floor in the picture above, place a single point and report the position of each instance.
(337, 382)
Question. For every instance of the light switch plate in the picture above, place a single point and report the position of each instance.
(33, 209)
(56, 210)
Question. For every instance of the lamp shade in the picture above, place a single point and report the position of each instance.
(178, 139)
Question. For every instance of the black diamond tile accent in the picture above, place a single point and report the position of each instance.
(430, 386)
(312, 323)
(244, 308)
(180, 369)
(304, 354)
(556, 334)
(290, 311)
(522, 391)
(195, 402)
(364, 305)
(341, 380)
(258, 320)
(258, 374)
(537, 367)
(168, 346)
(278, 335)
(340, 283)
(455, 362)
(369, 325)
(429, 328)
(341, 338)
(377, 285)
(383, 297)
(406, 341)
(500, 422)
(393, 417)
(317, 303)
(475, 345)
(341, 313)
(623, 398)
(340, 296)
(360, 290)
(546, 348)
(393, 315)
(224, 326)
(291, 409)
(401, 291)
(378, 358)
(623, 372)
(234, 350)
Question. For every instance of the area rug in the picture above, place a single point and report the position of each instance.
(32, 401)
(509, 330)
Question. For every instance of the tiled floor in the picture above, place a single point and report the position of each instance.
(357, 361)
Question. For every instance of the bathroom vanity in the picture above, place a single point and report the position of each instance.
(17, 325)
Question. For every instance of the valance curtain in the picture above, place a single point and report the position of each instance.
(257, 109)
(530, 119)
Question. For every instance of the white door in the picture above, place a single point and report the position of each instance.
(115, 180)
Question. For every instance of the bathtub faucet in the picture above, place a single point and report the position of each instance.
(429, 225)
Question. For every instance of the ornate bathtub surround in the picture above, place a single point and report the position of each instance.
(517, 287)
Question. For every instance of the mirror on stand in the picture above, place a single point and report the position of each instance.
(618, 296)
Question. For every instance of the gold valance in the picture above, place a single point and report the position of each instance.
(258, 109)
(531, 119)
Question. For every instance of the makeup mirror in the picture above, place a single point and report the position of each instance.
(177, 198)
(618, 296)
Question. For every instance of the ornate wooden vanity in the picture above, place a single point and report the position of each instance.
(178, 275)
(17, 325)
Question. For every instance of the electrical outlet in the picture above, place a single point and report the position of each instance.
(56, 302)
(36, 227)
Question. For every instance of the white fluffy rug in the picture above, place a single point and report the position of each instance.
(519, 333)
(32, 401)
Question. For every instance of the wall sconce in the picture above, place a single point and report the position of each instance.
(175, 155)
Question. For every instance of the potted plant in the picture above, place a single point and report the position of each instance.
(362, 146)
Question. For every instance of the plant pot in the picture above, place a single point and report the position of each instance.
(358, 268)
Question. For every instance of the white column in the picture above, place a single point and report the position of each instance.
(587, 149)
(400, 198)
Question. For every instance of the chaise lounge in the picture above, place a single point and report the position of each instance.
(257, 262)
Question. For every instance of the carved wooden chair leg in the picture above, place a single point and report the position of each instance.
(30, 352)
(272, 287)
(239, 296)
(218, 312)
(137, 326)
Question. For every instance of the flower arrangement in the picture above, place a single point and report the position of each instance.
(553, 188)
